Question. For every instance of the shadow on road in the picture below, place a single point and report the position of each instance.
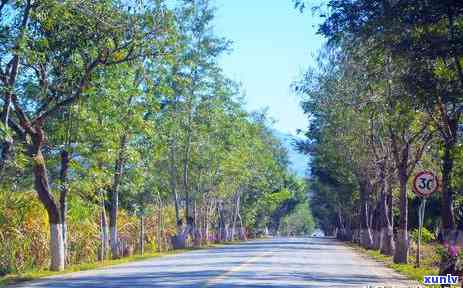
(280, 262)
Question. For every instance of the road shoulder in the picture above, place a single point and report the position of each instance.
(385, 266)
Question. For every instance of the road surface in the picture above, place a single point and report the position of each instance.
(279, 262)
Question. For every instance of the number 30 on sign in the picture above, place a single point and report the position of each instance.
(425, 183)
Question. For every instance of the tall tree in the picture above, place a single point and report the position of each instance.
(49, 60)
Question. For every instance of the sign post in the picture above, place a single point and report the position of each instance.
(424, 184)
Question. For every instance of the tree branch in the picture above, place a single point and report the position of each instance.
(419, 153)
(15, 126)
(23, 119)
(12, 66)
(419, 133)
(84, 81)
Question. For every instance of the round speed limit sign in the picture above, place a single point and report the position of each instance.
(425, 183)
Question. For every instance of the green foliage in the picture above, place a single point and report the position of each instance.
(137, 86)
(299, 222)
(381, 102)
(271, 201)
(426, 235)
(23, 235)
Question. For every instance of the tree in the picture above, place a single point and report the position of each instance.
(47, 35)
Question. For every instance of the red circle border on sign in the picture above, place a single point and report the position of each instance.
(415, 189)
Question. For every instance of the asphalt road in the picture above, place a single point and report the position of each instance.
(279, 262)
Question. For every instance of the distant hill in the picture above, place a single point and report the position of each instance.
(299, 161)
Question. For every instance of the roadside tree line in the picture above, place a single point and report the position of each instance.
(385, 101)
(119, 132)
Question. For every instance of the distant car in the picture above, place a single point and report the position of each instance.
(318, 233)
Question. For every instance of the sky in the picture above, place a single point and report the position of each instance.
(273, 44)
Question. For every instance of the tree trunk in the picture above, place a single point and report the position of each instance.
(118, 172)
(222, 231)
(186, 163)
(64, 191)
(242, 228)
(113, 233)
(387, 234)
(43, 189)
(159, 226)
(401, 248)
(104, 232)
(448, 233)
(348, 234)
(142, 235)
(173, 184)
(365, 233)
(206, 230)
(207, 221)
(196, 227)
(448, 222)
(56, 247)
(202, 210)
(236, 211)
(340, 233)
(5, 154)
(376, 228)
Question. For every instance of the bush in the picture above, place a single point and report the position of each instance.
(426, 235)
(23, 232)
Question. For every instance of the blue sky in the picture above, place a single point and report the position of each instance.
(272, 45)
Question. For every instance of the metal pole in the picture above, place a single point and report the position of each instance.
(420, 228)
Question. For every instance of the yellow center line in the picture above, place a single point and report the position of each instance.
(223, 276)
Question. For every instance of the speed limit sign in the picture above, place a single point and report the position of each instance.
(425, 183)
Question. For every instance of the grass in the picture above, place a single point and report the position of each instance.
(428, 266)
(34, 275)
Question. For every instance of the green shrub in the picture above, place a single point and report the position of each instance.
(426, 235)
